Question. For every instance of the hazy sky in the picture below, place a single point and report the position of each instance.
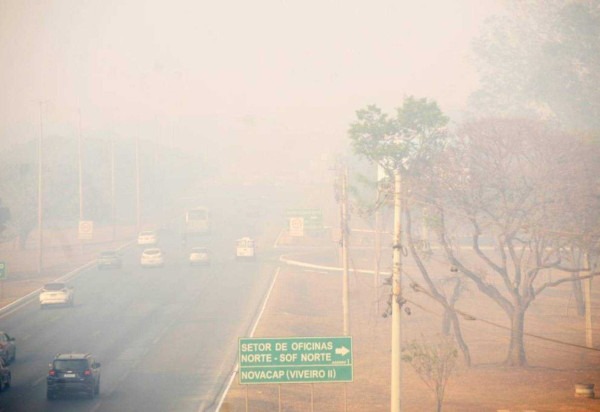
(288, 75)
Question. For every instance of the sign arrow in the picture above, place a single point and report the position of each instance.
(342, 351)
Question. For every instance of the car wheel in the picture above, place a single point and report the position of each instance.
(97, 391)
(8, 381)
(92, 393)
(50, 395)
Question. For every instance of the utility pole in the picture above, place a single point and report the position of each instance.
(345, 236)
(137, 184)
(397, 299)
(80, 151)
(113, 201)
(589, 341)
(377, 256)
(40, 194)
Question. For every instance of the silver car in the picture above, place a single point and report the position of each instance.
(199, 256)
(152, 257)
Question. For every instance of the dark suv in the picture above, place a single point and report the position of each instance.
(73, 373)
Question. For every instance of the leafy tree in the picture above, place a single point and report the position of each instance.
(541, 58)
(18, 187)
(408, 143)
(434, 362)
(4, 217)
(166, 174)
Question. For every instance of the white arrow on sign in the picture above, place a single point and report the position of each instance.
(342, 351)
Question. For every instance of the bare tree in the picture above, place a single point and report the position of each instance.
(520, 184)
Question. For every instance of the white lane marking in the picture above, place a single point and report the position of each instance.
(257, 320)
(38, 381)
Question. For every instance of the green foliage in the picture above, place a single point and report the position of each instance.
(165, 175)
(4, 217)
(542, 58)
(404, 142)
(434, 362)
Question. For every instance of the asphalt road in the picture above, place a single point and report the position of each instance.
(166, 338)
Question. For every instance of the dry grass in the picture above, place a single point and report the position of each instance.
(309, 304)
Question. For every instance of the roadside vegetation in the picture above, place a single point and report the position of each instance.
(517, 180)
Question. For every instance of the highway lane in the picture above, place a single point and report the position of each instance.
(166, 337)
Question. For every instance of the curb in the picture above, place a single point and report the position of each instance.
(285, 259)
(22, 301)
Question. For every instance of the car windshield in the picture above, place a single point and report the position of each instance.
(108, 254)
(199, 250)
(147, 234)
(152, 252)
(75, 365)
(54, 286)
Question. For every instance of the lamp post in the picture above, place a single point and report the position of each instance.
(40, 194)
(396, 295)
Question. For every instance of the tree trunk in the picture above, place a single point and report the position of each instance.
(516, 350)
(446, 322)
(578, 293)
(460, 340)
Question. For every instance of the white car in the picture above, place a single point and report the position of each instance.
(199, 256)
(245, 249)
(152, 257)
(147, 237)
(57, 293)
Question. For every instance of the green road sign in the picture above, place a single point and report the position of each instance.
(313, 218)
(2, 270)
(295, 360)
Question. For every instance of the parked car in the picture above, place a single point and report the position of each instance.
(73, 373)
(109, 259)
(57, 293)
(8, 348)
(199, 256)
(152, 257)
(147, 238)
(5, 375)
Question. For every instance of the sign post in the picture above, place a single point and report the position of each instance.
(86, 229)
(295, 360)
(297, 226)
(312, 219)
(3, 275)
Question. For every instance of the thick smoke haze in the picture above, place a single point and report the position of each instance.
(284, 75)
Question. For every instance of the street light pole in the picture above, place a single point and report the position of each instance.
(137, 184)
(396, 295)
(80, 166)
(40, 198)
(113, 202)
(345, 236)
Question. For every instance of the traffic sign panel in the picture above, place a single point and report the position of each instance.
(86, 229)
(295, 360)
(312, 218)
(296, 226)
